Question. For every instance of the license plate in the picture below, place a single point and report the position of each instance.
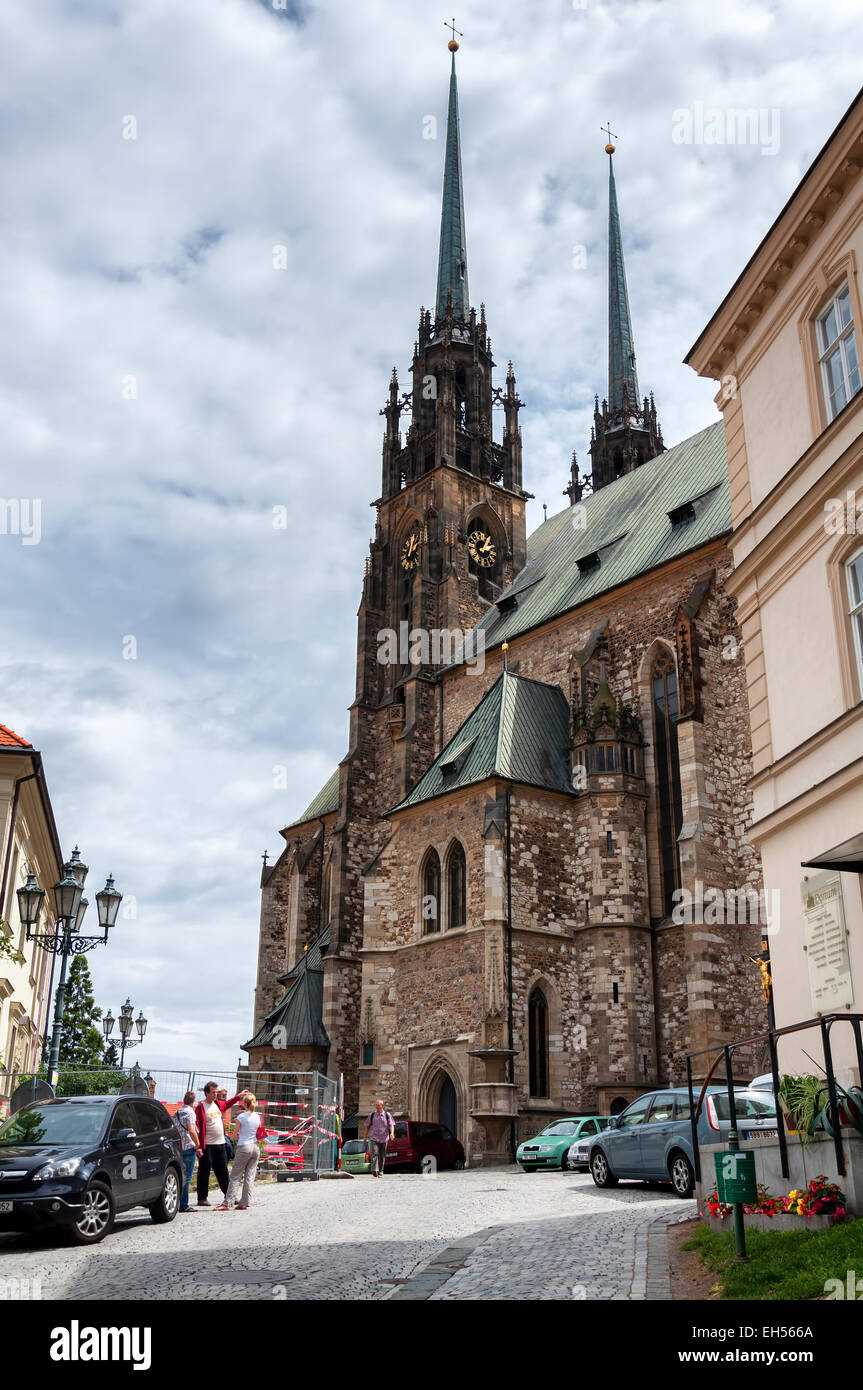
(6, 1206)
(759, 1134)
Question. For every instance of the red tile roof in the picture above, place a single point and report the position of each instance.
(9, 739)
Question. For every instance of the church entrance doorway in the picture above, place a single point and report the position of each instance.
(448, 1106)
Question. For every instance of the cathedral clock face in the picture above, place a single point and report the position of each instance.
(411, 551)
(481, 548)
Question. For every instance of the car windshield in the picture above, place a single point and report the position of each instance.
(354, 1146)
(561, 1127)
(60, 1122)
(602, 1121)
(748, 1105)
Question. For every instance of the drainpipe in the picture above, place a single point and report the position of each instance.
(509, 959)
(321, 922)
(7, 859)
(440, 717)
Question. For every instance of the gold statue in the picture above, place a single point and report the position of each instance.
(766, 977)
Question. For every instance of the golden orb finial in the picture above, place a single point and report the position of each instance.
(609, 149)
(452, 46)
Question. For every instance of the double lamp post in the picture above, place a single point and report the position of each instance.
(65, 939)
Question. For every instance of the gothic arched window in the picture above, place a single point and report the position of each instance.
(431, 893)
(537, 1018)
(456, 887)
(668, 796)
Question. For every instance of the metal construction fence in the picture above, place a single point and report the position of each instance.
(299, 1109)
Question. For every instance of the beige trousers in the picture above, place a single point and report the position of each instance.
(244, 1168)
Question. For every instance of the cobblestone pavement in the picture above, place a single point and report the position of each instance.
(480, 1234)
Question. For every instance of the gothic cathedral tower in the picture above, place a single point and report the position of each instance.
(625, 431)
(450, 531)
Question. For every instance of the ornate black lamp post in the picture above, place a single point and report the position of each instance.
(65, 938)
(124, 1023)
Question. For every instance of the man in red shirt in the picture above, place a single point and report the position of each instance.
(209, 1114)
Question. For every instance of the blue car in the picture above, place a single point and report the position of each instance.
(652, 1138)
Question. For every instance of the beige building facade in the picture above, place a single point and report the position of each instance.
(28, 839)
(783, 347)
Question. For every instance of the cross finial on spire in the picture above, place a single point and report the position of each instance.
(606, 129)
(453, 44)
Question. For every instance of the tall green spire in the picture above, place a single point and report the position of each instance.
(452, 264)
(621, 353)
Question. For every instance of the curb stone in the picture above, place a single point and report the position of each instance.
(655, 1237)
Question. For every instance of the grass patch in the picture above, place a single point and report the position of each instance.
(790, 1265)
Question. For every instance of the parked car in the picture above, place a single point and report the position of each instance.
(76, 1162)
(577, 1154)
(549, 1148)
(652, 1138)
(285, 1148)
(356, 1157)
(416, 1140)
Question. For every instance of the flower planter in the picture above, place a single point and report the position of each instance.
(783, 1221)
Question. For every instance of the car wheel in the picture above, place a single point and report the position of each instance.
(682, 1176)
(96, 1216)
(165, 1209)
(600, 1171)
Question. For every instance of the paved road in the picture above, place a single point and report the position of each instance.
(480, 1234)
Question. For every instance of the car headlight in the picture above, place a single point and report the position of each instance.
(57, 1168)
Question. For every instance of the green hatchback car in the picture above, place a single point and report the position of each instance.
(549, 1148)
(356, 1157)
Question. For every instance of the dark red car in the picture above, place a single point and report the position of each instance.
(423, 1147)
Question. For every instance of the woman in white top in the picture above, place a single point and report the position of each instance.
(250, 1131)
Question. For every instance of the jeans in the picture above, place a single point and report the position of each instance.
(244, 1170)
(379, 1155)
(213, 1158)
(189, 1157)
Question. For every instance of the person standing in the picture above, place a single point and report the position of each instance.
(211, 1135)
(380, 1126)
(250, 1131)
(184, 1119)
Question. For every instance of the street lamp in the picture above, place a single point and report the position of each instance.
(65, 938)
(125, 1023)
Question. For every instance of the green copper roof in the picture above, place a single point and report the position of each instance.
(326, 801)
(300, 1010)
(621, 353)
(452, 263)
(519, 730)
(627, 532)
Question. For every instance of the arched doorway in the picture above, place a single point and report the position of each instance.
(448, 1106)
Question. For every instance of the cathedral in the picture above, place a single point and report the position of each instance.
(494, 912)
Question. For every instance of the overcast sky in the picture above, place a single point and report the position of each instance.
(165, 386)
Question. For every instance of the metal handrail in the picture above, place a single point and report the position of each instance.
(824, 1023)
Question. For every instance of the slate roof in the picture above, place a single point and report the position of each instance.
(627, 527)
(326, 801)
(300, 1010)
(519, 730)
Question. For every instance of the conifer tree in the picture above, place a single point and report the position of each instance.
(81, 1041)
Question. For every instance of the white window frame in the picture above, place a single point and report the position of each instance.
(839, 344)
(855, 613)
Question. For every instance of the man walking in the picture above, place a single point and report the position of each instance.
(380, 1126)
(209, 1114)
